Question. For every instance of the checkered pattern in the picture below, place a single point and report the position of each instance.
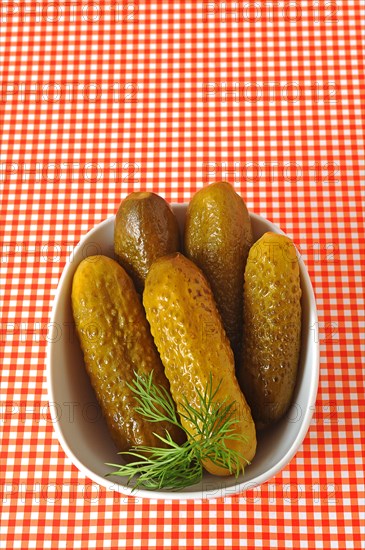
(102, 98)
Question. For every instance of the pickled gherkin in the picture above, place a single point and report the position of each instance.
(116, 343)
(217, 238)
(145, 229)
(193, 346)
(271, 327)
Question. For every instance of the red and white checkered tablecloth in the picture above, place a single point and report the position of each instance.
(102, 98)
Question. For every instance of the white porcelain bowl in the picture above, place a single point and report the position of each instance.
(82, 431)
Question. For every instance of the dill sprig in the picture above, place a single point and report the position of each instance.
(177, 466)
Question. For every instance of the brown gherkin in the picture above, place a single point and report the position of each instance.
(145, 229)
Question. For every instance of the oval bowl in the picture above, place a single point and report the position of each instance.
(81, 429)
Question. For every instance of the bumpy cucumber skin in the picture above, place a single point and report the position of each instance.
(192, 343)
(271, 328)
(116, 342)
(145, 229)
(217, 238)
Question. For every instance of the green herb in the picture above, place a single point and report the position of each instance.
(177, 466)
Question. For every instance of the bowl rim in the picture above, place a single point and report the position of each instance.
(199, 494)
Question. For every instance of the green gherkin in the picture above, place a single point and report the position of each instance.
(116, 342)
(218, 236)
(271, 327)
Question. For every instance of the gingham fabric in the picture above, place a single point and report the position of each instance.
(102, 98)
